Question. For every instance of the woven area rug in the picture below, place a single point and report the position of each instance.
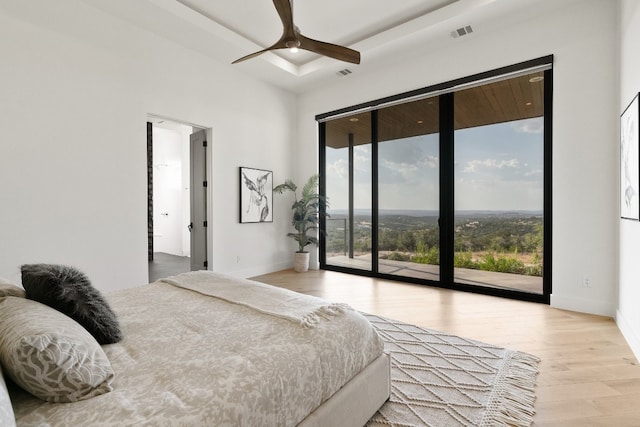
(445, 380)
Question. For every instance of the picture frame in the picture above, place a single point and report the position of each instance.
(630, 161)
(256, 195)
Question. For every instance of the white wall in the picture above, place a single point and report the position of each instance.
(628, 315)
(584, 129)
(76, 86)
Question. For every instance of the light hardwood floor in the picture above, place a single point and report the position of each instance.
(588, 374)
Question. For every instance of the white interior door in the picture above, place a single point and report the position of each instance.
(198, 225)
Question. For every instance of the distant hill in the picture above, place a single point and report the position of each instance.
(432, 213)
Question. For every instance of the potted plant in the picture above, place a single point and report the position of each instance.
(305, 218)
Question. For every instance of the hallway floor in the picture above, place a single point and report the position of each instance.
(164, 265)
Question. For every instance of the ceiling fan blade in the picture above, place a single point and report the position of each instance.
(251, 55)
(285, 11)
(328, 49)
(278, 45)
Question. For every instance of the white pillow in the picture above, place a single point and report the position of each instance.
(49, 354)
(8, 289)
(7, 418)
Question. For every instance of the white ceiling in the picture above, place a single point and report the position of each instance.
(382, 30)
(340, 22)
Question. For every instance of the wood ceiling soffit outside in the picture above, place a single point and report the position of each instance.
(498, 102)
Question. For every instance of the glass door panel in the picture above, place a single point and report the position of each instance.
(348, 190)
(499, 184)
(408, 190)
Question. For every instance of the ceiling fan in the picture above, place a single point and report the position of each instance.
(292, 39)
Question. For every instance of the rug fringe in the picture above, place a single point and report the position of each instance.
(513, 398)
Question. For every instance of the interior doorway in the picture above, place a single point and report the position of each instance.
(176, 197)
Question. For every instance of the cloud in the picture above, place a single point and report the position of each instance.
(406, 151)
(535, 125)
(430, 161)
(490, 165)
(337, 169)
(534, 173)
(409, 160)
(408, 171)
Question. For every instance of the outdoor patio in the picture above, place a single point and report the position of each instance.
(491, 279)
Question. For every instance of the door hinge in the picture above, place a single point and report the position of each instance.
(206, 264)
(204, 144)
(205, 183)
(205, 224)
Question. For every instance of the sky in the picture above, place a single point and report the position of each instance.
(497, 167)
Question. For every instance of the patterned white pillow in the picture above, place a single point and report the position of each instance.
(7, 418)
(49, 354)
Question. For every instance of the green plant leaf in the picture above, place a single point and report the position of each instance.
(306, 210)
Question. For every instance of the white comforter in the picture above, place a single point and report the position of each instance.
(194, 360)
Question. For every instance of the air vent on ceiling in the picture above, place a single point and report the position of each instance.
(344, 72)
(462, 31)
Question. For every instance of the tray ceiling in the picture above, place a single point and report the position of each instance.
(383, 31)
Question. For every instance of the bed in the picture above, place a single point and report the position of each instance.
(205, 349)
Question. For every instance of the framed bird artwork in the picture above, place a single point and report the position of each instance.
(256, 195)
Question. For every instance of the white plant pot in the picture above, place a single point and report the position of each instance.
(301, 262)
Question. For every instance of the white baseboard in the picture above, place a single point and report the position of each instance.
(629, 334)
(601, 308)
(260, 270)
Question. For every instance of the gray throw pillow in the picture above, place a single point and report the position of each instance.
(69, 291)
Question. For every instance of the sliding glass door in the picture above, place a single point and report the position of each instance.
(348, 190)
(408, 190)
(499, 184)
(447, 186)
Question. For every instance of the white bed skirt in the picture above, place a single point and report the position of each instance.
(358, 400)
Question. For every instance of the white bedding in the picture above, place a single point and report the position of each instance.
(190, 359)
